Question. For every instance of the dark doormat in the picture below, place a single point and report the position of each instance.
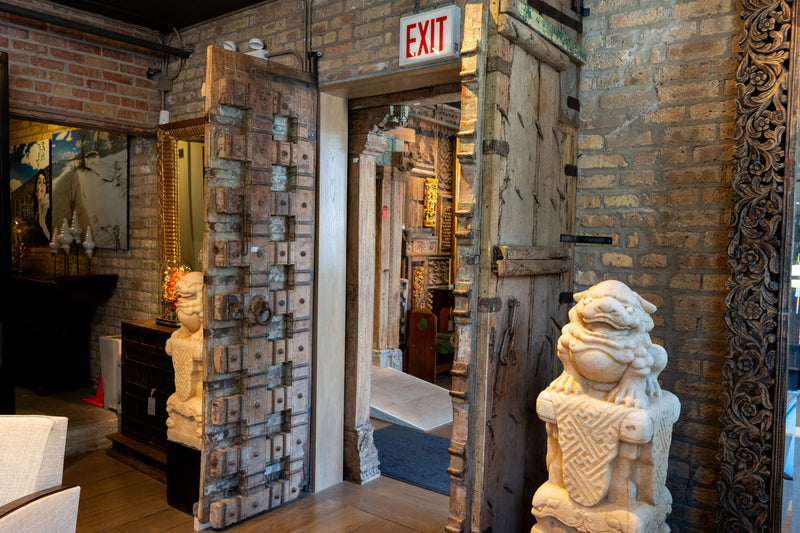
(414, 457)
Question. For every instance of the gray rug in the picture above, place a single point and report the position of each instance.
(413, 457)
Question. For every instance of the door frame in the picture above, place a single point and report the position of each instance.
(343, 374)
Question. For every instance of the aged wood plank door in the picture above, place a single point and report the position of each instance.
(516, 198)
(259, 247)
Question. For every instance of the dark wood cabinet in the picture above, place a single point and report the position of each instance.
(147, 372)
(50, 327)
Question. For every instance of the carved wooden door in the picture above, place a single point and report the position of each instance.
(516, 198)
(259, 246)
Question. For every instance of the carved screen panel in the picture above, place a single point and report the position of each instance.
(260, 142)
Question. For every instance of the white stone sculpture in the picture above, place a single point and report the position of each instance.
(186, 347)
(609, 424)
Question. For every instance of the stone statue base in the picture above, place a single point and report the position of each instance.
(184, 424)
(607, 465)
(557, 513)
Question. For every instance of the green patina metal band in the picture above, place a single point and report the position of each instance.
(547, 30)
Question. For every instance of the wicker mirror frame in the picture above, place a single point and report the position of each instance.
(754, 373)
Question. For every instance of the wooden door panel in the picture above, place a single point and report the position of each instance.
(515, 195)
(260, 161)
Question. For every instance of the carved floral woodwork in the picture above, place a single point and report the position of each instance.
(751, 446)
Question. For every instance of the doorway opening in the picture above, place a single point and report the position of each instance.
(65, 183)
(413, 138)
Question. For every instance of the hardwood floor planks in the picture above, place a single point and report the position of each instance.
(116, 498)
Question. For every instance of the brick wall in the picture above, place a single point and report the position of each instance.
(69, 77)
(64, 75)
(137, 293)
(357, 38)
(655, 153)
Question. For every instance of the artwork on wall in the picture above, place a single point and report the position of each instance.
(90, 177)
(431, 190)
(31, 190)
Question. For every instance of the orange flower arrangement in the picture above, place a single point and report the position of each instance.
(172, 274)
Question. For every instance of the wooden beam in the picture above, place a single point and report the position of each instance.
(534, 20)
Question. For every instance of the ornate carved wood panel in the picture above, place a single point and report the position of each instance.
(751, 443)
(260, 142)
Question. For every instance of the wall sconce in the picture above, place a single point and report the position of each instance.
(256, 48)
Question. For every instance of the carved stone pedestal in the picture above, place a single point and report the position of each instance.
(607, 464)
(361, 456)
(389, 358)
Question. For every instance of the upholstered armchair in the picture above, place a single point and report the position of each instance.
(32, 498)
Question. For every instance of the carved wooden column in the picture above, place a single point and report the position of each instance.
(389, 236)
(360, 456)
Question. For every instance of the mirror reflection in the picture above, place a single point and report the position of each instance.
(190, 202)
(181, 207)
(791, 467)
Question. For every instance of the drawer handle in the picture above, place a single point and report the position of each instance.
(261, 311)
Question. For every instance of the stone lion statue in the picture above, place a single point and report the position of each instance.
(606, 348)
(186, 347)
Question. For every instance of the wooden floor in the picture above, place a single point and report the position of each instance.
(115, 497)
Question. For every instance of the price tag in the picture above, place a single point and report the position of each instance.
(151, 404)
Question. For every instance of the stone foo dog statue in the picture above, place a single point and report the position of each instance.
(609, 424)
(186, 347)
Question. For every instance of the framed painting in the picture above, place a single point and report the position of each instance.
(90, 178)
(31, 191)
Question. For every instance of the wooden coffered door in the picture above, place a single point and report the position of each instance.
(516, 198)
(259, 246)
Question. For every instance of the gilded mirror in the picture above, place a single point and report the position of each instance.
(174, 141)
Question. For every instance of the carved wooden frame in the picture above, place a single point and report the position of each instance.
(168, 136)
(754, 373)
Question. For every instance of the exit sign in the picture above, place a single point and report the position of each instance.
(430, 37)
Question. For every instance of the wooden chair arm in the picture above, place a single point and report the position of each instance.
(30, 498)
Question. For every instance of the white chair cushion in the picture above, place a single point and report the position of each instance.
(31, 454)
(53, 513)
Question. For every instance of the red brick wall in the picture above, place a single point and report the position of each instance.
(655, 153)
(63, 75)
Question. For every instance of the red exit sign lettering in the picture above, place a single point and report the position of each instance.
(430, 37)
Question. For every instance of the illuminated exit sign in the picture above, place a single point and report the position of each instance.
(430, 37)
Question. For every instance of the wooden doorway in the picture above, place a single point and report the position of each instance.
(259, 272)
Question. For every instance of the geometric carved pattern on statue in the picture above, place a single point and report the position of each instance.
(438, 272)
(418, 285)
(588, 434)
(445, 226)
(662, 437)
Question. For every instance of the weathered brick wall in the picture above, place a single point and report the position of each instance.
(357, 38)
(64, 75)
(655, 153)
(137, 293)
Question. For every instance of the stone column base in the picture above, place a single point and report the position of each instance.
(360, 455)
(391, 358)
